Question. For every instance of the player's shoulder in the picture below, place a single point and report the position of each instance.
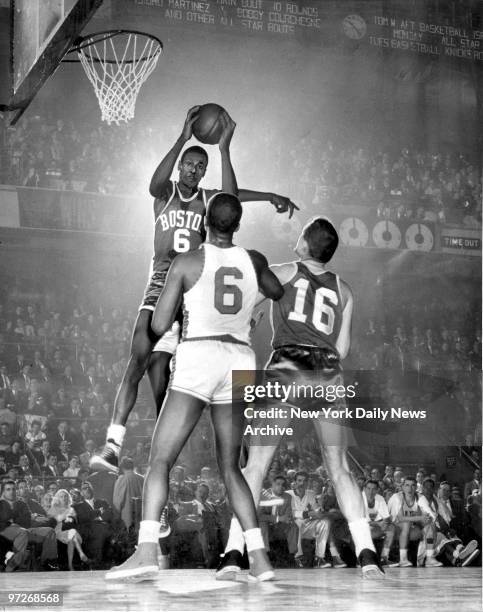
(285, 271)
(184, 261)
(345, 290)
(164, 192)
(257, 258)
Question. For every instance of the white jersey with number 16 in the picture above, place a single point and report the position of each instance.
(221, 301)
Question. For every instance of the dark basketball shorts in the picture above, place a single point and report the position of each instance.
(169, 341)
(307, 378)
(153, 290)
(307, 370)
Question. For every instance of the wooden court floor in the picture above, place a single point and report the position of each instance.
(404, 590)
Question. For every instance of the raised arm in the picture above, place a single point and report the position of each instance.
(228, 178)
(268, 284)
(163, 172)
(281, 203)
(170, 299)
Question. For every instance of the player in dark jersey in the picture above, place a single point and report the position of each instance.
(179, 210)
(311, 334)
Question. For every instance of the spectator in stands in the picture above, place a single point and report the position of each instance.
(128, 485)
(85, 457)
(14, 454)
(34, 433)
(38, 515)
(448, 543)
(72, 471)
(6, 437)
(412, 523)
(310, 520)
(51, 470)
(378, 517)
(277, 522)
(15, 526)
(93, 520)
(473, 485)
(62, 511)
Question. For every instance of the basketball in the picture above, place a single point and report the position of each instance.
(207, 128)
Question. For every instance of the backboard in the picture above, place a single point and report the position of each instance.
(41, 33)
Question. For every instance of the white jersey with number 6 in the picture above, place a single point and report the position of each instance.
(221, 301)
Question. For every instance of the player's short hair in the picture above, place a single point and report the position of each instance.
(194, 149)
(322, 239)
(224, 212)
(429, 480)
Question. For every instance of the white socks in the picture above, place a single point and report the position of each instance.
(361, 534)
(235, 537)
(148, 532)
(253, 539)
(116, 433)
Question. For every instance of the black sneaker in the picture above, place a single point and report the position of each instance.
(229, 566)
(164, 528)
(369, 562)
(106, 460)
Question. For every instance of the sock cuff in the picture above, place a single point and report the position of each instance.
(253, 539)
(148, 531)
(116, 433)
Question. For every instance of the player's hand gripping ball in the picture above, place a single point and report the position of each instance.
(208, 128)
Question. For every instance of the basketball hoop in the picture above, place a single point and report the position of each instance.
(117, 63)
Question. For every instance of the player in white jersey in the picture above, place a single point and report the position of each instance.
(218, 285)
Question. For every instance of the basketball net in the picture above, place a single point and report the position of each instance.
(117, 65)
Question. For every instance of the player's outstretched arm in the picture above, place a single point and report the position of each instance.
(162, 174)
(343, 342)
(228, 178)
(281, 203)
(170, 299)
(268, 283)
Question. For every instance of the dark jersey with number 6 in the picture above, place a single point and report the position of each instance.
(310, 311)
(178, 225)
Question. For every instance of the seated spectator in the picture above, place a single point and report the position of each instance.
(62, 511)
(448, 544)
(473, 485)
(51, 470)
(64, 455)
(38, 514)
(199, 516)
(455, 509)
(72, 471)
(13, 455)
(85, 457)
(62, 433)
(34, 433)
(15, 526)
(312, 522)
(412, 523)
(378, 517)
(7, 415)
(93, 520)
(277, 522)
(6, 437)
